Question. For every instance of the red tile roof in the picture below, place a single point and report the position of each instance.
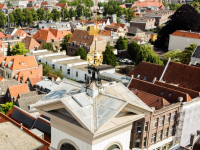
(149, 3)
(44, 3)
(17, 89)
(20, 33)
(147, 69)
(151, 100)
(2, 35)
(30, 43)
(34, 80)
(1, 6)
(170, 95)
(188, 34)
(105, 32)
(1, 78)
(61, 5)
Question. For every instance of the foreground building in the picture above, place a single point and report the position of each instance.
(101, 121)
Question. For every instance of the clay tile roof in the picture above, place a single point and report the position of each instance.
(82, 37)
(151, 100)
(111, 27)
(34, 80)
(119, 24)
(170, 95)
(192, 93)
(29, 73)
(8, 35)
(123, 6)
(147, 69)
(44, 35)
(105, 32)
(149, 3)
(17, 89)
(1, 42)
(58, 34)
(2, 35)
(61, 5)
(188, 34)
(44, 3)
(20, 33)
(30, 43)
(1, 78)
(1, 6)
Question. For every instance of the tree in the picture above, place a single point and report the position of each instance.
(88, 28)
(41, 14)
(174, 55)
(80, 52)
(64, 42)
(175, 6)
(11, 18)
(6, 107)
(65, 13)
(63, 1)
(109, 57)
(18, 16)
(9, 3)
(9, 50)
(72, 13)
(48, 46)
(118, 20)
(185, 18)
(186, 54)
(19, 49)
(28, 18)
(121, 43)
(133, 49)
(55, 15)
(129, 14)
(79, 10)
(2, 19)
(34, 14)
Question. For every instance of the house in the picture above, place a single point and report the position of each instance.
(3, 48)
(143, 23)
(20, 3)
(81, 38)
(20, 33)
(30, 43)
(158, 129)
(161, 16)
(181, 39)
(62, 26)
(18, 134)
(134, 31)
(45, 86)
(19, 67)
(116, 106)
(59, 6)
(3, 6)
(119, 30)
(149, 3)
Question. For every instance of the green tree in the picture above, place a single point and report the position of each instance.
(79, 10)
(88, 28)
(186, 54)
(19, 49)
(80, 52)
(11, 18)
(64, 42)
(6, 107)
(34, 14)
(118, 20)
(58, 73)
(109, 56)
(48, 46)
(9, 53)
(133, 49)
(121, 43)
(129, 14)
(65, 13)
(9, 3)
(41, 14)
(18, 16)
(72, 13)
(174, 55)
(185, 18)
(55, 15)
(175, 6)
(28, 18)
(63, 1)
(2, 19)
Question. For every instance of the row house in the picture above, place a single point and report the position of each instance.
(143, 23)
(81, 38)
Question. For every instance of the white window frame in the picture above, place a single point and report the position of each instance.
(153, 138)
(167, 119)
(155, 123)
(161, 121)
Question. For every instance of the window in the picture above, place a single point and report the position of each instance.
(68, 71)
(159, 135)
(145, 142)
(161, 121)
(139, 127)
(153, 138)
(61, 68)
(162, 93)
(167, 118)
(137, 142)
(138, 76)
(170, 94)
(146, 126)
(53, 66)
(145, 78)
(174, 116)
(155, 123)
(76, 73)
(166, 132)
(67, 146)
(113, 147)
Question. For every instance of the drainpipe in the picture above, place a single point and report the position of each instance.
(165, 69)
(130, 81)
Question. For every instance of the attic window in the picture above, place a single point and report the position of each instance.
(145, 78)
(170, 94)
(84, 36)
(138, 76)
(162, 93)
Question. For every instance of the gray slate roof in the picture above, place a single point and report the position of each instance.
(31, 93)
(134, 30)
(196, 53)
(5, 84)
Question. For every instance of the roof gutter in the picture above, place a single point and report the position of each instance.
(161, 78)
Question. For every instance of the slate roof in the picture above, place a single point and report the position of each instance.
(5, 84)
(151, 100)
(134, 30)
(170, 95)
(142, 19)
(196, 53)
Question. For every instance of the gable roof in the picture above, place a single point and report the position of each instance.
(30, 43)
(61, 5)
(20, 33)
(17, 89)
(34, 80)
(44, 3)
(151, 100)
(2, 35)
(188, 34)
(196, 53)
(170, 95)
(1, 6)
(5, 84)
(112, 27)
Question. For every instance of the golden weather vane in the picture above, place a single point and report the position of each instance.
(94, 57)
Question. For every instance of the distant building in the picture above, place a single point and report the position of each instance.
(143, 23)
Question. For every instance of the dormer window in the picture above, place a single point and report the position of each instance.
(162, 93)
(138, 76)
(145, 78)
(170, 94)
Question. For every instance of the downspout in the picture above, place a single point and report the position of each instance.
(165, 69)
(130, 81)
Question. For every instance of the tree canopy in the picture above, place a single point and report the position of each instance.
(6, 107)
(48, 46)
(185, 18)
(121, 43)
(109, 56)
(19, 49)
(133, 49)
(80, 52)
(174, 55)
(9, 53)
(64, 42)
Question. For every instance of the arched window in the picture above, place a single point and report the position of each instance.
(67, 146)
(114, 147)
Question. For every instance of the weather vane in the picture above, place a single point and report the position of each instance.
(94, 58)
